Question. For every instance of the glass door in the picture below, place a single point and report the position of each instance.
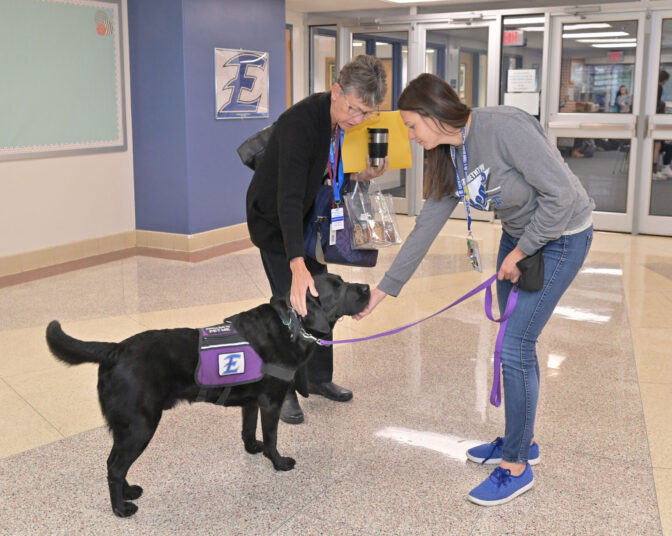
(595, 94)
(391, 48)
(467, 56)
(654, 214)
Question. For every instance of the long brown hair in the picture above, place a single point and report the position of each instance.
(431, 97)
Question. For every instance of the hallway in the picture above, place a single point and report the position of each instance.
(389, 462)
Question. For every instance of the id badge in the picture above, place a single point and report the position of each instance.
(474, 256)
(337, 222)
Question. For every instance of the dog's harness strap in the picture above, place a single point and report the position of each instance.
(278, 371)
(495, 393)
(225, 394)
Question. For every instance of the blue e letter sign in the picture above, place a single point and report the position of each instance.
(241, 80)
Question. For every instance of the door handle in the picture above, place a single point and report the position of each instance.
(653, 126)
(606, 126)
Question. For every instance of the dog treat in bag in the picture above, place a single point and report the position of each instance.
(372, 218)
(385, 217)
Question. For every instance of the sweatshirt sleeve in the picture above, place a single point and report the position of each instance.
(525, 147)
(428, 224)
(296, 139)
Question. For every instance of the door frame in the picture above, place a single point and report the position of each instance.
(600, 125)
(493, 22)
(345, 35)
(655, 126)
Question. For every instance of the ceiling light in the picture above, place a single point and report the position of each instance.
(381, 44)
(615, 45)
(523, 20)
(585, 26)
(358, 44)
(594, 34)
(532, 28)
(616, 40)
(412, 1)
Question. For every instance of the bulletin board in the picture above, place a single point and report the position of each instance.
(62, 78)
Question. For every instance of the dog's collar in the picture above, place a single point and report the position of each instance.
(293, 323)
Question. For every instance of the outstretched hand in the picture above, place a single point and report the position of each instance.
(376, 297)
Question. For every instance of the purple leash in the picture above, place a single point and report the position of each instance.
(495, 394)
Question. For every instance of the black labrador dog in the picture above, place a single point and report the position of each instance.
(149, 372)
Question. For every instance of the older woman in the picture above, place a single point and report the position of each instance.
(498, 159)
(296, 162)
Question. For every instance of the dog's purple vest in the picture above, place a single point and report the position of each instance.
(225, 358)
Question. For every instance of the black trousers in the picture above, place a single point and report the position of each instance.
(320, 368)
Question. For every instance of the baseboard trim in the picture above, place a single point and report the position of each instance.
(22, 268)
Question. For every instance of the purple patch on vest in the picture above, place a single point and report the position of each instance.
(225, 358)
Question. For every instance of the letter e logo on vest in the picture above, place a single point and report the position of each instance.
(231, 364)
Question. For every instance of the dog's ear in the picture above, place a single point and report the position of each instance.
(316, 319)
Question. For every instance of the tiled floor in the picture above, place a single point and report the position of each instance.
(389, 462)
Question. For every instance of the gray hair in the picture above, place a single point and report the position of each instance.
(365, 77)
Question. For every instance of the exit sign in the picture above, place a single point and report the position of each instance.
(513, 38)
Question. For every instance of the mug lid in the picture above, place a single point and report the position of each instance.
(378, 130)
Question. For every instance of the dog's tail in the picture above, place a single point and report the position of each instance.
(75, 352)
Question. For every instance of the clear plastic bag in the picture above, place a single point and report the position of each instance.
(372, 218)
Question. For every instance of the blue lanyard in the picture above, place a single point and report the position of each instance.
(462, 189)
(335, 157)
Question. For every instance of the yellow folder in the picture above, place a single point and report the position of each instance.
(356, 143)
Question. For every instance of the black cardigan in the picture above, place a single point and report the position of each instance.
(287, 179)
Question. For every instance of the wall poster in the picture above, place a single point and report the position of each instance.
(241, 83)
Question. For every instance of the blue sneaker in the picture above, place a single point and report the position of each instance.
(491, 453)
(501, 487)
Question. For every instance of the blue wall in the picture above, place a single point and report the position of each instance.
(188, 176)
(158, 115)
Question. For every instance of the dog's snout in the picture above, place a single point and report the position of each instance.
(363, 289)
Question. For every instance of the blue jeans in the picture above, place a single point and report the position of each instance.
(520, 368)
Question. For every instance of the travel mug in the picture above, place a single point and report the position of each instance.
(377, 145)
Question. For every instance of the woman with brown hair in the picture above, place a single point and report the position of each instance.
(499, 159)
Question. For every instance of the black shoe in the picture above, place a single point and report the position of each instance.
(331, 391)
(291, 411)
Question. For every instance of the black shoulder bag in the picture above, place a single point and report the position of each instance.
(252, 149)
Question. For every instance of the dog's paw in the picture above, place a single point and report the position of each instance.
(132, 492)
(284, 463)
(125, 509)
(254, 447)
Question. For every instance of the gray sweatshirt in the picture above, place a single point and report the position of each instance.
(514, 170)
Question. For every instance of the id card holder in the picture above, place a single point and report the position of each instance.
(474, 255)
(337, 222)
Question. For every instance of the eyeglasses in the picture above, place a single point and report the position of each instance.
(356, 112)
